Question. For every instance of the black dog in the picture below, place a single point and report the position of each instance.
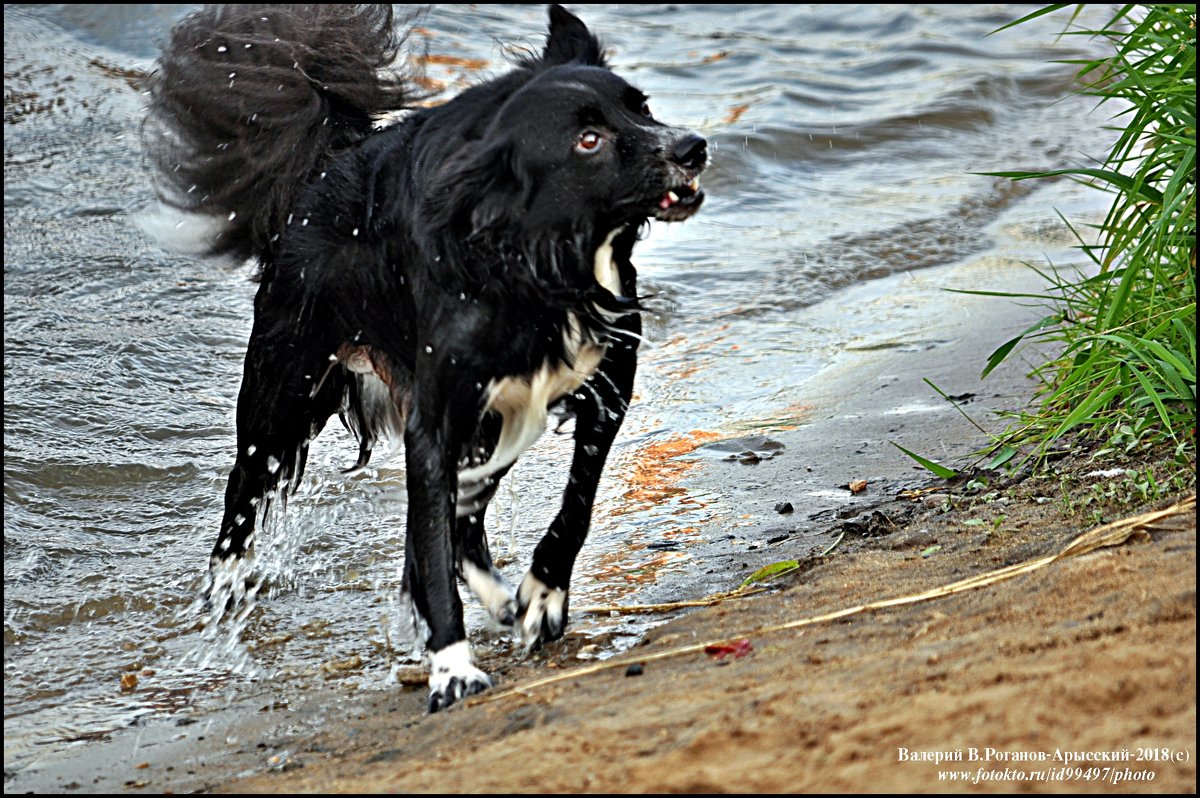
(446, 279)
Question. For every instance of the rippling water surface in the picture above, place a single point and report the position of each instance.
(844, 140)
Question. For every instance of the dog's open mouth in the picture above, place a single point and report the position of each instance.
(680, 202)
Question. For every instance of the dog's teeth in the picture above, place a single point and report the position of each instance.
(673, 197)
(695, 184)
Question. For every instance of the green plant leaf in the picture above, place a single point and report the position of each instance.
(770, 572)
(1003, 351)
(1003, 456)
(939, 470)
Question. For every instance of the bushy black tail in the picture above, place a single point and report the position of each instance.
(250, 100)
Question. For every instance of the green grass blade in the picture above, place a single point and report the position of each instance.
(929, 465)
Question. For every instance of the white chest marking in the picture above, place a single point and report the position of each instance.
(605, 268)
(523, 401)
(607, 274)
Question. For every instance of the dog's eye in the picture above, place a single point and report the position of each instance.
(589, 143)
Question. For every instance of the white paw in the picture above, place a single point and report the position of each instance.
(495, 594)
(543, 612)
(453, 676)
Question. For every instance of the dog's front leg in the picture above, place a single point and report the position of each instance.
(430, 441)
(599, 408)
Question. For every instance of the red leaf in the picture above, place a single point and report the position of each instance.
(738, 648)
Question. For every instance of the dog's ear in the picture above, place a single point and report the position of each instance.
(477, 198)
(475, 191)
(570, 41)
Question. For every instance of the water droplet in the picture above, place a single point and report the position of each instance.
(429, 350)
(355, 232)
(222, 49)
(251, 449)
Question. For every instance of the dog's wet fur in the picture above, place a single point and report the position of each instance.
(445, 279)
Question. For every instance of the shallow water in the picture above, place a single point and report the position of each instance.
(844, 142)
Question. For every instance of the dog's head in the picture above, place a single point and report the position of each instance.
(570, 150)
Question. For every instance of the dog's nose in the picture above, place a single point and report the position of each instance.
(690, 152)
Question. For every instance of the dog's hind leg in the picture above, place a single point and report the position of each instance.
(290, 387)
(599, 408)
(477, 570)
(472, 555)
(473, 558)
